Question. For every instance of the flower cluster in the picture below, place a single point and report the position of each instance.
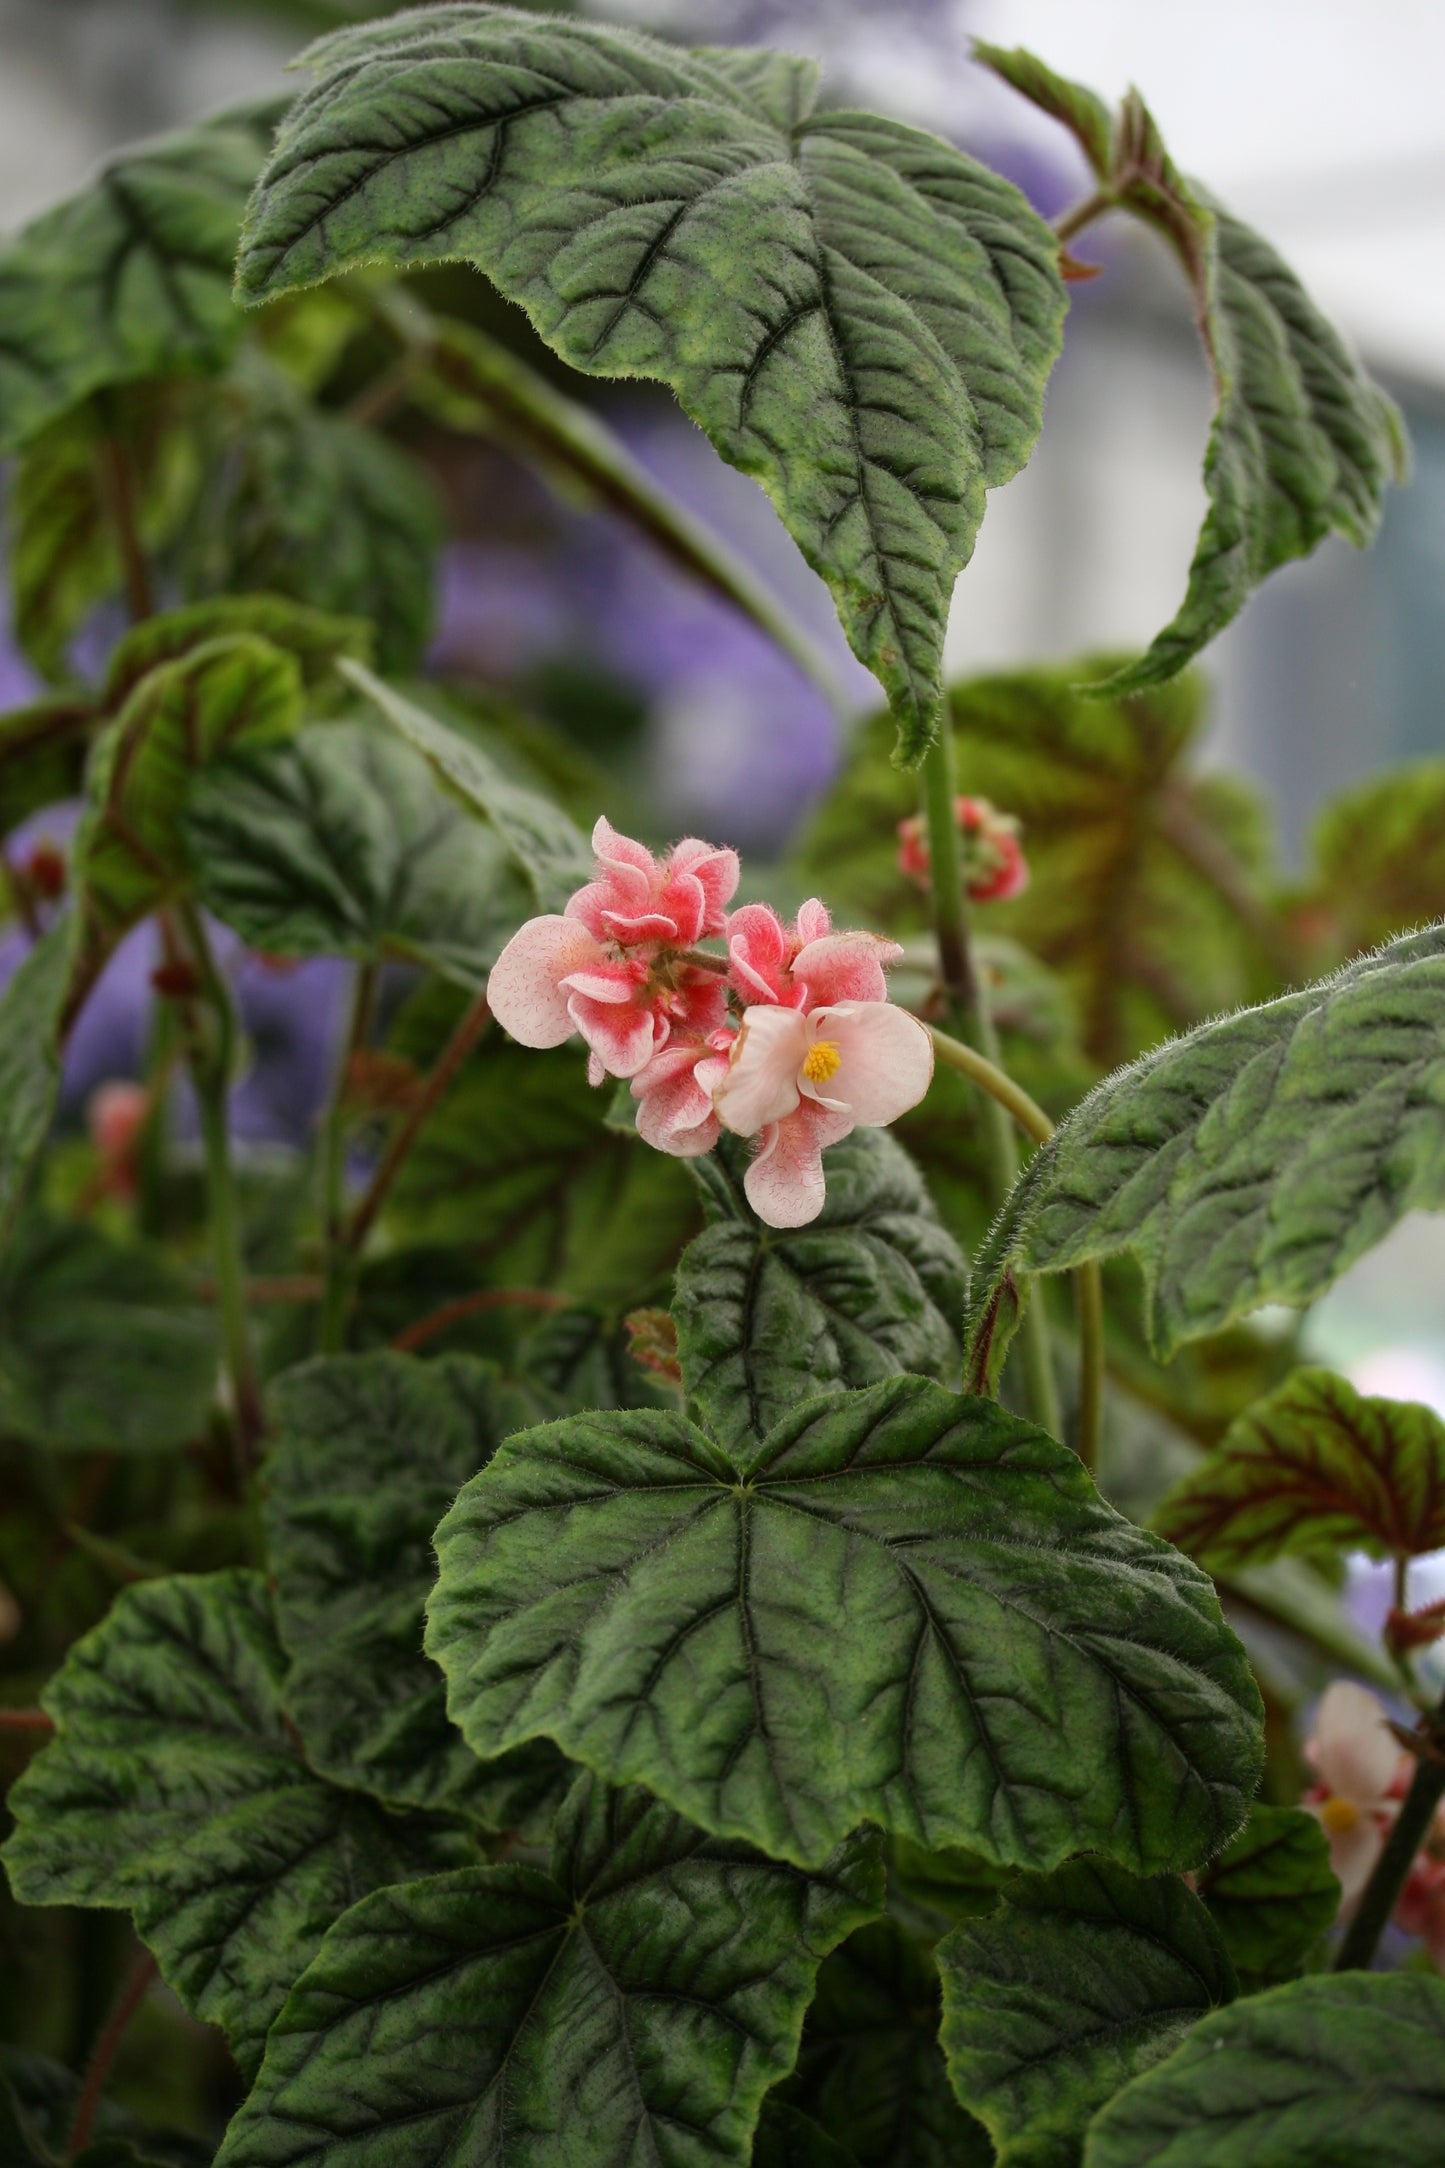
(994, 866)
(1363, 1773)
(788, 1039)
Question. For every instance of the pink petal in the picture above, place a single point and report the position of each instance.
(1354, 1751)
(630, 928)
(845, 967)
(813, 922)
(525, 989)
(885, 1062)
(623, 1039)
(613, 986)
(685, 902)
(1353, 1853)
(784, 1183)
(757, 946)
(762, 1080)
(675, 1111)
(590, 904)
(716, 871)
(620, 853)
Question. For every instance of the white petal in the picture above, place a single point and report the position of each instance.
(1353, 1853)
(1354, 1751)
(525, 990)
(885, 1058)
(761, 1085)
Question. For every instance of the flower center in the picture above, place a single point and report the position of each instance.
(1339, 1816)
(821, 1061)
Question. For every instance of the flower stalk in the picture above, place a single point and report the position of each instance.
(1408, 1832)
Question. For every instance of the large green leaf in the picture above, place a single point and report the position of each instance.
(544, 843)
(1315, 1467)
(174, 1787)
(519, 1168)
(101, 1347)
(858, 315)
(1377, 862)
(1081, 1980)
(902, 1605)
(1252, 1160)
(1303, 444)
(315, 639)
(42, 756)
(1146, 894)
(130, 853)
(341, 842)
(634, 2005)
(870, 2069)
(1335, 2071)
(1272, 1894)
(368, 1453)
(31, 1008)
(131, 277)
(765, 1318)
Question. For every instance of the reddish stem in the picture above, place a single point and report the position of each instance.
(437, 1085)
(102, 2055)
(488, 1298)
(26, 1720)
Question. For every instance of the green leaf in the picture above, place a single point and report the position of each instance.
(340, 842)
(859, 316)
(1080, 1981)
(903, 1606)
(872, 1287)
(543, 842)
(43, 2095)
(330, 513)
(635, 2004)
(131, 854)
(1252, 1160)
(519, 1169)
(1272, 1894)
(65, 556)
(42, 756)
(369, 1451)
(870, 2070)
(786, 2139)
(101, 1348)
(316, 641)
(174, 1787)
(941, 1887)
(584, 1361)
(31, 1008)
(1334, 2071)
(1315, 1467)
(1378, 861)
(131, 277)
(1302, 443)
(1147, 888)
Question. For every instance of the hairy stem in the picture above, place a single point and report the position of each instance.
(969, 1013)
(435, 1089)
(102, 2055)
(1083, 214)
(1089, 1289)
(1408, 1832)
(340, 1258)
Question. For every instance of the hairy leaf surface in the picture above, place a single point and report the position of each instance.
(1080, 1981)
(1271, 1893)
(1336, 2070)
(131, 277)
(31, 1008)
(341, 841)
(1303, 444)
(902, 1606)
(858, 315)
(1253, 1159)
(369, 1451)
(765, 1317)
(174, 1787)
(1315, 1467)
(635, 2004)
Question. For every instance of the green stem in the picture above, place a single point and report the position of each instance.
(340, 1263)
(1408, 1832)
(1083, 214)
(211, 1066)
(969, 1014)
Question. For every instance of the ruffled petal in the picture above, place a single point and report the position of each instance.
(885, 1059)
(674, 1105)
(813, 922)
(845, 967)
(762, 1080)
(623, 1038)
(1353, 1749)
(717, 873)
(525, 990)
(785, 1183)
(757, 946)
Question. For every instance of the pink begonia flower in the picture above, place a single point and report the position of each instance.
(799, 1082)
(994, 866)
(804, 965)
(608, 966)
(674, 1095)
(1362, 1771)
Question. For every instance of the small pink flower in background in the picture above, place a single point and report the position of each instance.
(1362, 1771)
(609, 967)
(803, 965)
(994, 866)
(115, 1114)
(800, 1082)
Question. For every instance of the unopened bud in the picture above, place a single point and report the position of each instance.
(176, 980)
(378, 1082)
(653, 1344)
(45, 871)
(994, 866)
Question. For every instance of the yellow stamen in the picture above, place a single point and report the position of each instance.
(821, 1061)
(1339, 1816)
